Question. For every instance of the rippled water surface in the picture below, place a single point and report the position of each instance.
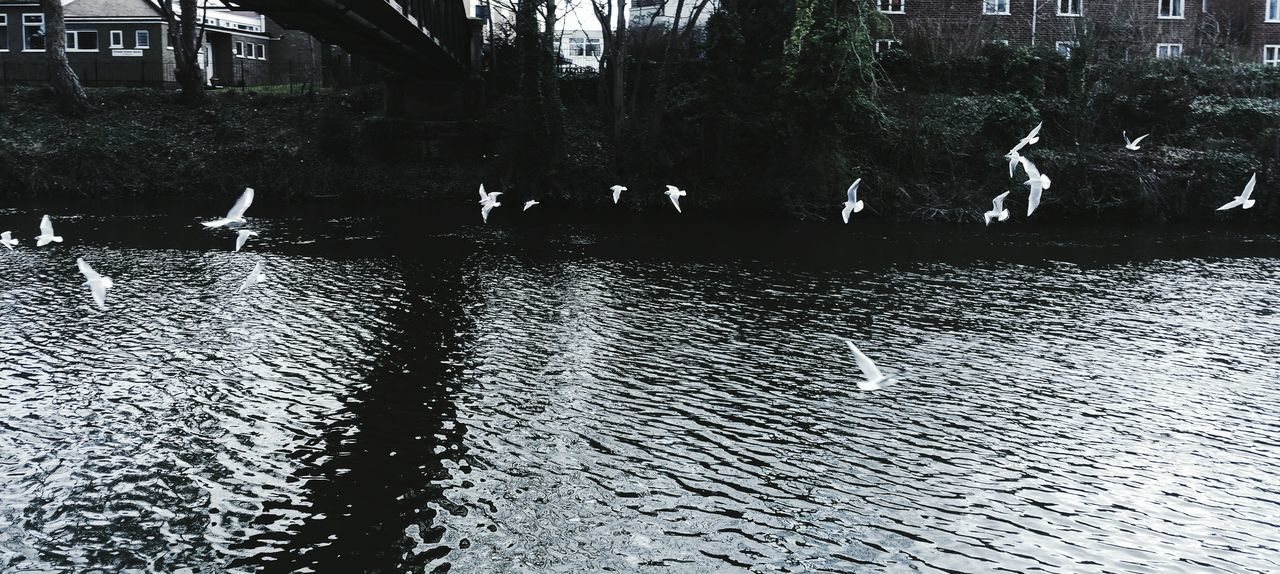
(617, 397)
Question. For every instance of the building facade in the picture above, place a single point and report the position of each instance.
(1249, 29)
(130, 43)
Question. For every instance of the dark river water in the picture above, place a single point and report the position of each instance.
(426, 396)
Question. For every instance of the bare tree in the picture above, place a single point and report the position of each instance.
(612, 74)
(187, 45)
(65, 83)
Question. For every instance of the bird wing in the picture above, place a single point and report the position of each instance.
(99, 291)
(5, 236)
(89, 274)
(483, 195)
(1125, 134)
(1035, 132)
(848, 208)
(240, 239)
(241, 205)
(1230, 204)
(1248, 188)
(1033, 174)
(1014, 158)
(617, 193)
(46, 226)
(868, 367)
(997, 204)
(675, 200)
(252, 278)
(853, 191)
(1033, 201)
(672, 189)
(1140, 138)
(484, 211)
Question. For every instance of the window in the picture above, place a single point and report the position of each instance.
(1171, 8)
(142, 39)
(892, 6)
(260, 51)
(1273, 10)
(4, 33)
(1001, 42)
(995, 6)
(117, 39)
(1064, 48)
(82, 40)
(885, 45)
(1168, 50)
(1271, 54)
(33, 32)
(239, 49)
(1069, 7)
(585, 47)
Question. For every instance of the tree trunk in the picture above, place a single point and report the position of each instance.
(619, 65)
(187, 53)
(66, 86)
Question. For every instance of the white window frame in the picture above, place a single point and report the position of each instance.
(138, 35)
(902, 6)
(1274, 60)
(111, 39)
(1001, 42)
(1079, 7)
(4, 23)
(1181, 6)
(237, 49)
(260, 49)
(1057, 46)
(77, 33)
(1169, 50)
(24, 32)
(888, 44)
(1272, 8)
(992, 7)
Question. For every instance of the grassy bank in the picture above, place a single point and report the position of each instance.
(931, 151)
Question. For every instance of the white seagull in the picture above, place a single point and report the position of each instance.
(489, 202)
(530, 203)
(1131, 145)
(46, 233)
(1031, 138)
(98, 284)
(853, 205)
(617, 192)
(7, 241)
(236, 215)
(874, 380)
(1014, 159)
(1037, 181)
(675, 194)
(998, 210)
(243, 236)
(1242, 201)
(255, 277)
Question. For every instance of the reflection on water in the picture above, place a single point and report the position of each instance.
(497, 401)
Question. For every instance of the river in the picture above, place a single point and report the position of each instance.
(628, 395)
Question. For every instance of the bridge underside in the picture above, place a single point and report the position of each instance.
(429, 39)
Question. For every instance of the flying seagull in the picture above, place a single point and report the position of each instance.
(617, 192)
(1131, 145)
(7, 241)
(1037, 181)
(255, 277)
(98, 284)
(484, 196)
(998, 210)
(1014, 159)
(874, 380)
(853, 205)
(243, 236)
(487, 204)
(1031, 138)
(236, 215)
(530, 203)
(46, 233)
(1242, 201)
(675, 194)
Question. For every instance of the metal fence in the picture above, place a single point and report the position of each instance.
(239, 74)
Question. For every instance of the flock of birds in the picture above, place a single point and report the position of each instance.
(98, 284)
(873, 378)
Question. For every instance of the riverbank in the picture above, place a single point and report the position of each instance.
(936, 156)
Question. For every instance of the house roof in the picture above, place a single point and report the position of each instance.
(110, 9)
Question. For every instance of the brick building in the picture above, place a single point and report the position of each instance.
(1247, 29)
